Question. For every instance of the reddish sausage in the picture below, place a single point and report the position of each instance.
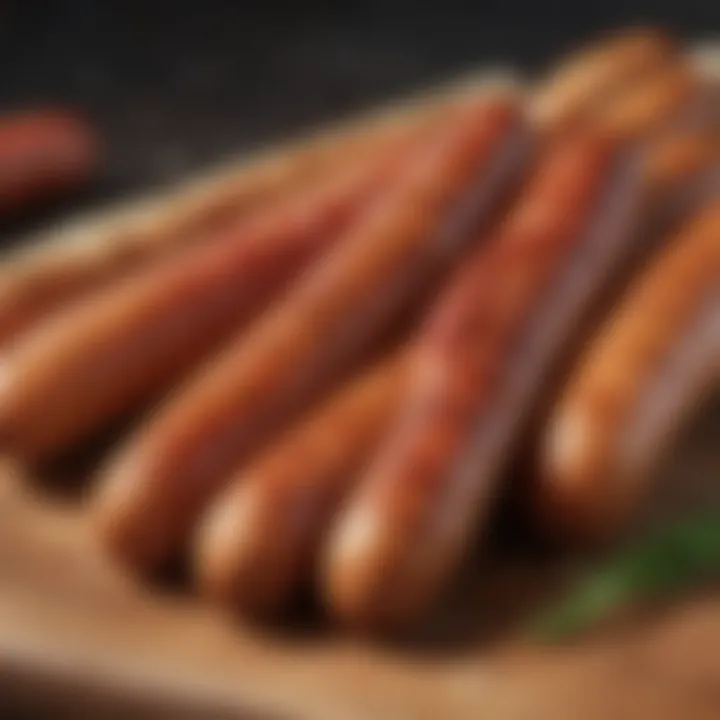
(76, 260)
(155, 489)
(593, 75)
(677, 157)
(648, 105)
(103, 357)
(260, 537)
(42, 154)
(651, 358)
(484, 353)
(683, 172)
(495, 344)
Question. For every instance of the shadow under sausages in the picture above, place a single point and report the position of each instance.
(68, 476)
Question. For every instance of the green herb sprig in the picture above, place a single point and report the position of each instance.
(668, 560)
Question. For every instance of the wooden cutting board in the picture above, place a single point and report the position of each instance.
(80, 639)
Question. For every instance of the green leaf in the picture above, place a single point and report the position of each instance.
(668, 560)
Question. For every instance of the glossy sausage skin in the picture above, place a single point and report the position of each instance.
(593, 75)
(676, 158)
(43, 154)
(39, 279)
(105, 357)
(650, 360)
(683, 173)
(486, 352)
(260, 537)
(335, 312)
(647, 106)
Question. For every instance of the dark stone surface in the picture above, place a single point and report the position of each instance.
(174, 85)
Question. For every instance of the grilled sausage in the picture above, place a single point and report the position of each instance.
(102, 358)
(683, 172)
(486, 352)
(75, 261)
(259, 540)
(677, 157)
(589, 77)
(503, 332)
(154, 491)
(649, 104)
(42, 154)
(649, 362)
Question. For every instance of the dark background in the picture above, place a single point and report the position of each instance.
(175, 85)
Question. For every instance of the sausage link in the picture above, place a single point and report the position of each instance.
(704, 108)
(73, 261)
(649, 104)
(36, 286)
(487, 349)
(332, 314)
(593, 75)
(651, 357)
(260, 537)
(43, 154)
(101, 358)
(677, 157)
(683, 172)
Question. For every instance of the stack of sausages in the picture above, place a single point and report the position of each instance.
(330, 357)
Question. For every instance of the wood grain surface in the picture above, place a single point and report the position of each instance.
(79, 639)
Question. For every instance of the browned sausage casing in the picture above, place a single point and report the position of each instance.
(650, 362)
(42, 154)
(592, 76)
(259, 540)
(683, 172)
(486, 351)
(648, 105)
(76, 260)
(677, 158)
(155, 489)
(103, 357)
